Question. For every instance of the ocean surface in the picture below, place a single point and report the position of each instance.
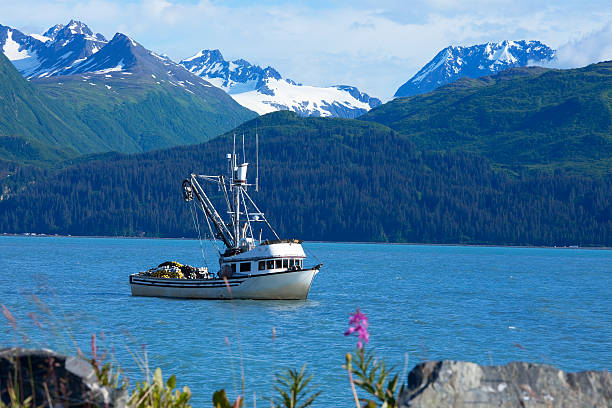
(490, 305)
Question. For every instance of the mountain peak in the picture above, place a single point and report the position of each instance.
(264, 90)
(52, 32)
(58, 49)
(454, 62)
(123, 39)
(74, 29)
(206, 56)
(231, 76)
(119, 54)
(77, 27)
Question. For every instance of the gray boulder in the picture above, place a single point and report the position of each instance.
(460, 384)
(52, 379)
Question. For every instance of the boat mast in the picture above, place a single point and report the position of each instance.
(236, 191)
(256, 160)
(237, 200)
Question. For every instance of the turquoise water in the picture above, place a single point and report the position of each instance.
(484, 304)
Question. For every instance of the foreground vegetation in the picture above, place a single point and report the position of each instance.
(293, 386)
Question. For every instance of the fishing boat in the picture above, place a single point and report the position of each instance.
(248, 268)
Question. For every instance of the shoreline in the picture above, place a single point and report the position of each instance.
(37, 235)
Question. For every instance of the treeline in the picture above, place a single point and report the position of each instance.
(323, 179)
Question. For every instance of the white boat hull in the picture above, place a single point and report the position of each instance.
(288, 285)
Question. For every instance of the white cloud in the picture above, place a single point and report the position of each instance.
(590, 48)
(375, 45)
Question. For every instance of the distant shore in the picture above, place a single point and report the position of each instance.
(32, 234)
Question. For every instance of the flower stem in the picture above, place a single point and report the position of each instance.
(350, 375)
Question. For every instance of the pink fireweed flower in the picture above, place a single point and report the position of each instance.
(358, 323)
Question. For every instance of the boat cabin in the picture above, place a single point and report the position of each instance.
(265, 265)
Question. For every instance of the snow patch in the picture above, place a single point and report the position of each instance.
(77, 61)
(304, 99)
(198, 55)
(503, 55)
(156, 55)
(118, 67)
(427, 70)
(134, 44)
(40, 37)
(11, 48)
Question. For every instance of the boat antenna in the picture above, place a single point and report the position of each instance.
(243, 153)
(257, 160)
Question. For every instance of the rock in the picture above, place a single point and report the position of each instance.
(57, 380)
(462, 384)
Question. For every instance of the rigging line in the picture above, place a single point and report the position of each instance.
(212, 236)
(246, 211)
(310, 253)
(196, 221)
(263, 216)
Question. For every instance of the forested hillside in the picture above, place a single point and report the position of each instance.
(26, 114)
(521, 118)
(53, 119)
(323, 179)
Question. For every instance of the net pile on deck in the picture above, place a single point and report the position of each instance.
(175, 270)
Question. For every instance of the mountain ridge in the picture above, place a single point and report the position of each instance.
(520, 118)
(58, 49)
(264, 90)
(454, 62)
(129, 109)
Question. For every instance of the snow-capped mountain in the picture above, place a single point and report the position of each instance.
(232, 76)
(264, 90)
(73, 49)
(476, 61)
(58, 49)
(124, 63)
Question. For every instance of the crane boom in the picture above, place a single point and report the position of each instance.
(222, 231)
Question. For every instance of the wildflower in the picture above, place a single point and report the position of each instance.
(359, 323)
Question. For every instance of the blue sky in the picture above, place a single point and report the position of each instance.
(374, 45)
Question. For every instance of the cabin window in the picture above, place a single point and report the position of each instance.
(298, 263)
(279, 263)
(234, 268)
(291, 263)
(285, 263)
(269, 264)
(262, 265)
(245, 267)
